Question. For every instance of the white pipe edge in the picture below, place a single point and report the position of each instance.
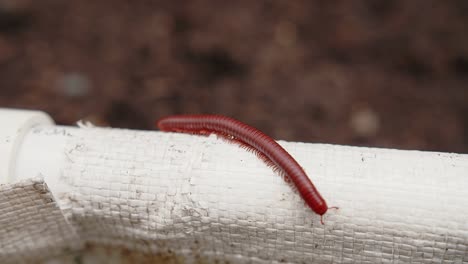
(15, 124)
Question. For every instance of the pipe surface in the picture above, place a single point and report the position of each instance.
(200, 197)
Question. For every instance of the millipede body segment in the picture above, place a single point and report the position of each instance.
(255, 139)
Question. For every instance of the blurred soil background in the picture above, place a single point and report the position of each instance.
(371, 73)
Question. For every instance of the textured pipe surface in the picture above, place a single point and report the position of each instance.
(198, 197)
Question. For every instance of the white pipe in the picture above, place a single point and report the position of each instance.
(15, 124)
(198, 196)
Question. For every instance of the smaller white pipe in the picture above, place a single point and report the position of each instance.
(15, 124)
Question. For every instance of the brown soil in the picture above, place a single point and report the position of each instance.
(374, 73)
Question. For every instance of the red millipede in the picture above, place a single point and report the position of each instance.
(252, 138)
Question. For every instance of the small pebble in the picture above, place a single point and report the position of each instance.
(74, 85)
(365, 122)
